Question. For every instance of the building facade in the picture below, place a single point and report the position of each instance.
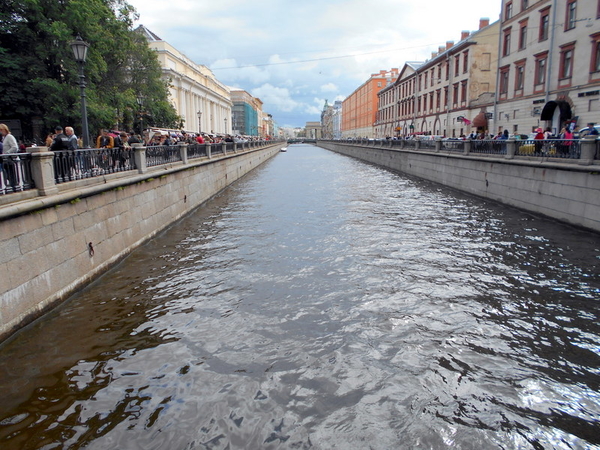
(203, 102)
(337, 119)
(360, 107)
(247, 114)
(549, 65)
(327, 121)
(449, 95)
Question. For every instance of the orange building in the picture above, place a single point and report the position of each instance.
(359, 109)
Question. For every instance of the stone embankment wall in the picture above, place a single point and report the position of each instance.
(52, 246)
(566, 191)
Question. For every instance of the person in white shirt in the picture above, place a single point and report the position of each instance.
(9, 143)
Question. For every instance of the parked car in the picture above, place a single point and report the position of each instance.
(584, 131)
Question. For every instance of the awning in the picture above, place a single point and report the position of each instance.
(548, 111)
(480, 120)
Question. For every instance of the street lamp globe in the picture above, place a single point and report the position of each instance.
(80, 48)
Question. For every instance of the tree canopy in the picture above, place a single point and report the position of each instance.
(39, 77)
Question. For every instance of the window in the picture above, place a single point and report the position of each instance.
(447, 70)
(540, 70)
(508, 11)
(463, 88)
(566, 61)
(446, 96)
(431, 101)
(455, 94)
(544, 24)
(439, 75)
(523, 35)
(457, 65)
(425, 81)
(506, 43)
(465, 62)
(595, 60)
(504, 73)
(524, 5)
(432, 75)
(425, 103)
(571, 14)
(519, 77)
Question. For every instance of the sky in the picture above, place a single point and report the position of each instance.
(294, 55)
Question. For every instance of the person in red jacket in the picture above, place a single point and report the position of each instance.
(539, 141)
(200, 139)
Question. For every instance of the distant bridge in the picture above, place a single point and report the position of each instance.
(302, 141)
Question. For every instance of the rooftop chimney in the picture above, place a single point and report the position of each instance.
(464, 35)
(483, 22)
(433, 55)
(441, 49)
(449, 44)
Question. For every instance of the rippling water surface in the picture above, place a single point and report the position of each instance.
(323, 303)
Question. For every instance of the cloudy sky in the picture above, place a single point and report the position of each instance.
(294, 55)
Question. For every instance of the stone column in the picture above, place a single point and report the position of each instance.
(208, 150)
(467, 148)
(588, 150)
(511, 149)
(140, 157)
(42, 170)
(438, 145)
(183, 152)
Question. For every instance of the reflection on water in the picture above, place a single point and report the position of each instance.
(323, 303)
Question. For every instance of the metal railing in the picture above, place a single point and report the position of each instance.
(453, 145)
(70, 165)
(15, 173)
(427, 144)
(489, 146)
(162, 154)
(550, 148)
(197, 151)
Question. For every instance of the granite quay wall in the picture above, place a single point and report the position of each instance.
(567, 190)
(56, 239)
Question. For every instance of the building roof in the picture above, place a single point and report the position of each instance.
(147, 33)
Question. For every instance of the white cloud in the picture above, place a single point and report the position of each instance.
(276, 96)
(329, 87)
(252, 74)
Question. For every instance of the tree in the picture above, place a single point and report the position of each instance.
(39, 77)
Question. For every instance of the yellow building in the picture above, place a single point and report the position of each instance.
(199, 98)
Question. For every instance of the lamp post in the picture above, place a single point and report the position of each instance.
(199, 121)
(140, 102)
(80, 48)
(225, 119)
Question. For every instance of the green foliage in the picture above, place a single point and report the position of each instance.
(39, 78)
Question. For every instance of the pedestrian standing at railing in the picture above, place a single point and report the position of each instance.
(566, 141)
(60, 141)
(9, 143)
(539, 141)
(72, 139)
(133, 139)
(593, 131)
(105, 140)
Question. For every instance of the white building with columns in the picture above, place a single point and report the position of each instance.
(203, 102)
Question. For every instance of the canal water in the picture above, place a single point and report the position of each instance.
(321, 302)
